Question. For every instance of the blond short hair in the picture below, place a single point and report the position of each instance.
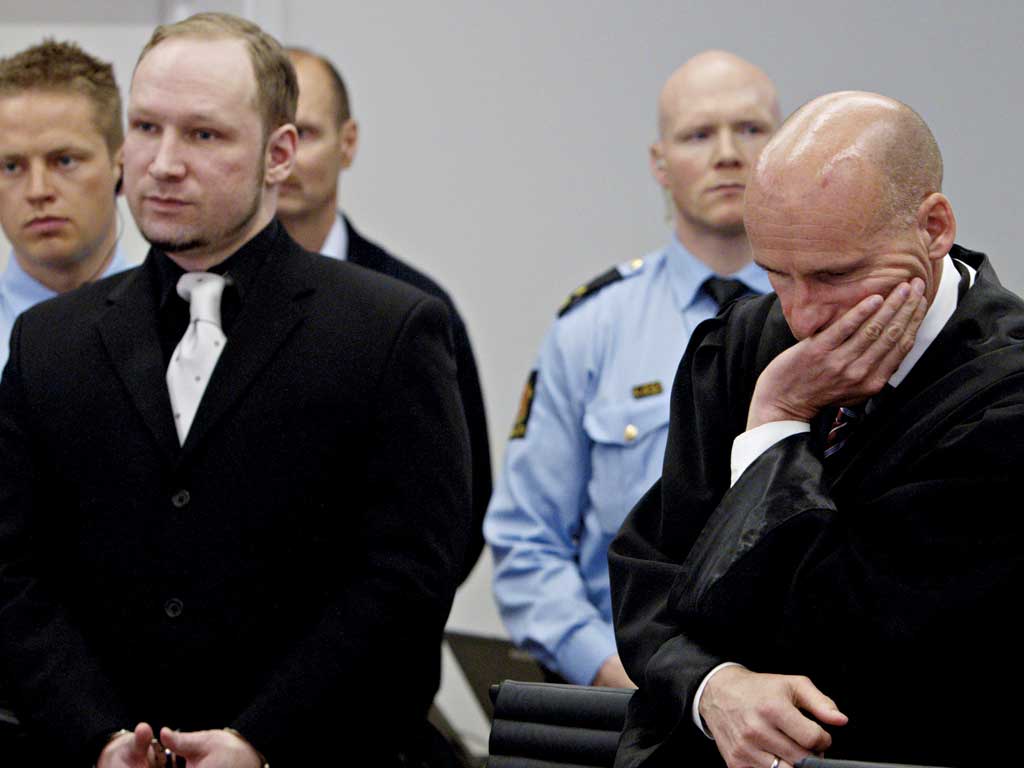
(277, 90)
(64, 67)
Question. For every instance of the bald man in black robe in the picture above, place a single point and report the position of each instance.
(787, 603)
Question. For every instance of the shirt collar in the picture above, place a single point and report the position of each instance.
(687, 273)
(942, 308)
(336, 244)
(240, 267)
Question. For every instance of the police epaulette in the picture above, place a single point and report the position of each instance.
(589, 289)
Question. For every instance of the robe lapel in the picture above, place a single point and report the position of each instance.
(268, 317)
(129, 333)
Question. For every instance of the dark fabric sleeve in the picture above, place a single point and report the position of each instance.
(383, 626)
(884, 598)
(56, 678)
(479, 444)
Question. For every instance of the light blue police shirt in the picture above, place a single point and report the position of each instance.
(591, 446)
(19, 291)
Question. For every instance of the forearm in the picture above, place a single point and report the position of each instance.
(543, 603)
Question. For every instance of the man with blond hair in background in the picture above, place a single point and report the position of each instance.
(225, 520)
(593, 420)
(60, 172)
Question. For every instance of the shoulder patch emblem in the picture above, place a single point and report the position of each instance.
(650, 389)
(525, 406)
(589, 289)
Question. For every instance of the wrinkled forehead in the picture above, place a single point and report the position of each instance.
(840, 196)
(48, 117)
(703, 104)
(695, 101)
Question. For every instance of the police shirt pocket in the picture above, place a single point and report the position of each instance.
(628, 447)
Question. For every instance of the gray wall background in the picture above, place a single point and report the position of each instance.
(503, 144)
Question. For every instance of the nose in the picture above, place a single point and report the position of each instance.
(806, 310)
(40, 190)
(727, 152)
(167, 164)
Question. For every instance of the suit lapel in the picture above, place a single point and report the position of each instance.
(269, 315)
(359, 250)
(129, 333)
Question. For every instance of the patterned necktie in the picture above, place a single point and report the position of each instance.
(196, 355)
(724, 290)
(845, 422)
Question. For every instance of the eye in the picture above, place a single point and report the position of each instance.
(751, 129)
(204, 134)
(142, 126)
(65, 161)
(10, 167)
(699, 135)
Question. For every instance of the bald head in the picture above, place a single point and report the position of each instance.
(708, 73)
(872, 154)
(845, 203)
(322, 66)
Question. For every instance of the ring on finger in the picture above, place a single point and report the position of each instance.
(775, 763)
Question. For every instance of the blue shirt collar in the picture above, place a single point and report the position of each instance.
(19, 290)
(687, 273)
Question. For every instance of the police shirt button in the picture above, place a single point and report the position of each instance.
(631, 433)
(174, 608)
(181, 498)
(636, 263)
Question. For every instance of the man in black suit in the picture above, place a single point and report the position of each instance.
(308, 208)
(828, 558)
(273, 580)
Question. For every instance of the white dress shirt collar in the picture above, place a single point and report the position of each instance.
(336, 244)
(942, 308)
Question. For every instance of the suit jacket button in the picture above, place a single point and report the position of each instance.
(181, 498)
(174, 608)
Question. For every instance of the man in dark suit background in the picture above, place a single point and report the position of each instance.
(308, 208)
(828, 558)
(273, 580)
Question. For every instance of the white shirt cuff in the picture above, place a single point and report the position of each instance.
(700, 692)
(748, 446)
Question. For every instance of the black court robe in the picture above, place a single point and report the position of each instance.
(890, 580)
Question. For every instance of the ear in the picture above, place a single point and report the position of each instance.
(118, 165)
(280, 156)
(349, 142)
(936, 224)
(657, 160)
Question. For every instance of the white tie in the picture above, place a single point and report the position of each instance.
(196, 355)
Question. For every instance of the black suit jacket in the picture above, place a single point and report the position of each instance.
(884, 579)
(288, 571)
(371, 256)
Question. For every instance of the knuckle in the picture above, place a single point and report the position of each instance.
(856, 373)
(873, 330)
(748, 731)
(894, 333)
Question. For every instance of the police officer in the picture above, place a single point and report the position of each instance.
(590, 434)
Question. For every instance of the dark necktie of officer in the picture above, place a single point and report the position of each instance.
(724, 290)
